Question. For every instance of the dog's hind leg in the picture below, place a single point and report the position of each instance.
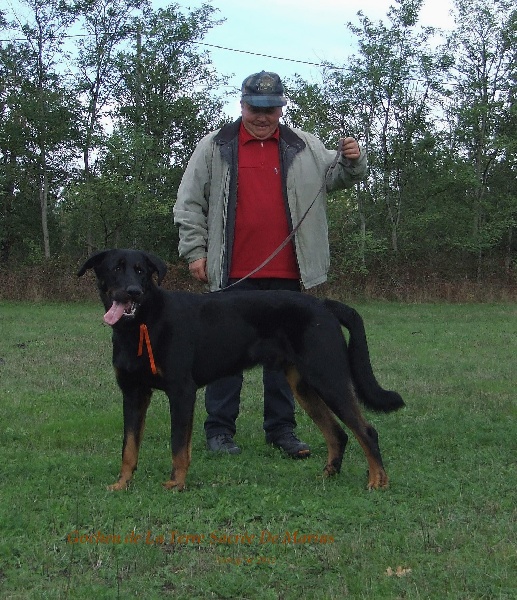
(182, 420)
(318, 411)
(347, 409)
(368, 438)
(135, 410)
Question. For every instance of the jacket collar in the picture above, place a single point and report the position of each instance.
(230, 131)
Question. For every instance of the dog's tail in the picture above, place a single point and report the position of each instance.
(367, 387)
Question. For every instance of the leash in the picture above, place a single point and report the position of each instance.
(144, 332)
(295, 229)
(144, 336)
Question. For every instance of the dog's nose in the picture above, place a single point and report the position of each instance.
(134, 291)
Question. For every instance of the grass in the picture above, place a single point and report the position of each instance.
(446, 527)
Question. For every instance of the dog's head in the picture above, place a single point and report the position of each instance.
(124, 277)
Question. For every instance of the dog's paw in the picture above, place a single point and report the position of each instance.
(333, 467)
(172, 484)
(119, 485)
(330, 470)
(378, 480)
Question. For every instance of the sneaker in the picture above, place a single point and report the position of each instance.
(291, 445)
(222, 443)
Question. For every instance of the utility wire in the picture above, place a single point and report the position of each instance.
(303, 62)
(293, 60)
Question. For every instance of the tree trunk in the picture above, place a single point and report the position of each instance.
(43, 195)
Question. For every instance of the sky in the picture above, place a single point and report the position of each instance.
(285, 35)
(309, 31)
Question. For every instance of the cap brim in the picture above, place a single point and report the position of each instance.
(264, 101)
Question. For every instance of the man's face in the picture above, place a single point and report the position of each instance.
(260, 122)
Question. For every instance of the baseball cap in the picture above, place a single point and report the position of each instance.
(263, 89)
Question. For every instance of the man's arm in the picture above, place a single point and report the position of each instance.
(191, 208)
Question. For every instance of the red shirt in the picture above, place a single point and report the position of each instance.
(260, 221)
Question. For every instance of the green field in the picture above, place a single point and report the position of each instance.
(260, 525)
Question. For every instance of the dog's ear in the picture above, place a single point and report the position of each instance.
(93, 261)
(157, 265)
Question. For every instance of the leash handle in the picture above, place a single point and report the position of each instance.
(333, 163)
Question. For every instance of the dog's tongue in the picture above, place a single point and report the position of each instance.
(114, 313)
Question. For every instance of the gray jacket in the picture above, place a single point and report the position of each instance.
(206, 201)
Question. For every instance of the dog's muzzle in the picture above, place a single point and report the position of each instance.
(125, 304)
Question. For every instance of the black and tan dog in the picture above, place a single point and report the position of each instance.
(180, 341)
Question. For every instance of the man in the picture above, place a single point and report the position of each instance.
(244, 190)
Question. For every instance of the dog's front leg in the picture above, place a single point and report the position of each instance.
(181, 403)
(136, 403)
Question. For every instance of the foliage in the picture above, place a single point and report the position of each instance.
(138, 69)
(39, 132)
(93, 143)
(438, 125)
(163, 104)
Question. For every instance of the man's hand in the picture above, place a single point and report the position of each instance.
(197, 269)
(350, 148)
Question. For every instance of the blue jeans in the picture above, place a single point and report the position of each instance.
(223, 397)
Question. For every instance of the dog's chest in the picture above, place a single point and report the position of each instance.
(126, 352)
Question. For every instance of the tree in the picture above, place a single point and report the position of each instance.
(164, 100)
(49, 109)
(482, 106)
(14, 71)
(386, 95)
(108, 24)
(400, 77)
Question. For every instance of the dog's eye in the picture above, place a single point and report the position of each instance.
(138, 270)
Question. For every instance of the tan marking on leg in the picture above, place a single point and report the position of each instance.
(322, 416)
(129, 462)
(377, 477)
(130, 452)
(350, 413)
(180, 466)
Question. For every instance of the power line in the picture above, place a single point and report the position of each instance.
(293, 60)
(302, 62)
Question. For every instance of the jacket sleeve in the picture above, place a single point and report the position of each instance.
(340, 173)
(347, 172)
(191, 207)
